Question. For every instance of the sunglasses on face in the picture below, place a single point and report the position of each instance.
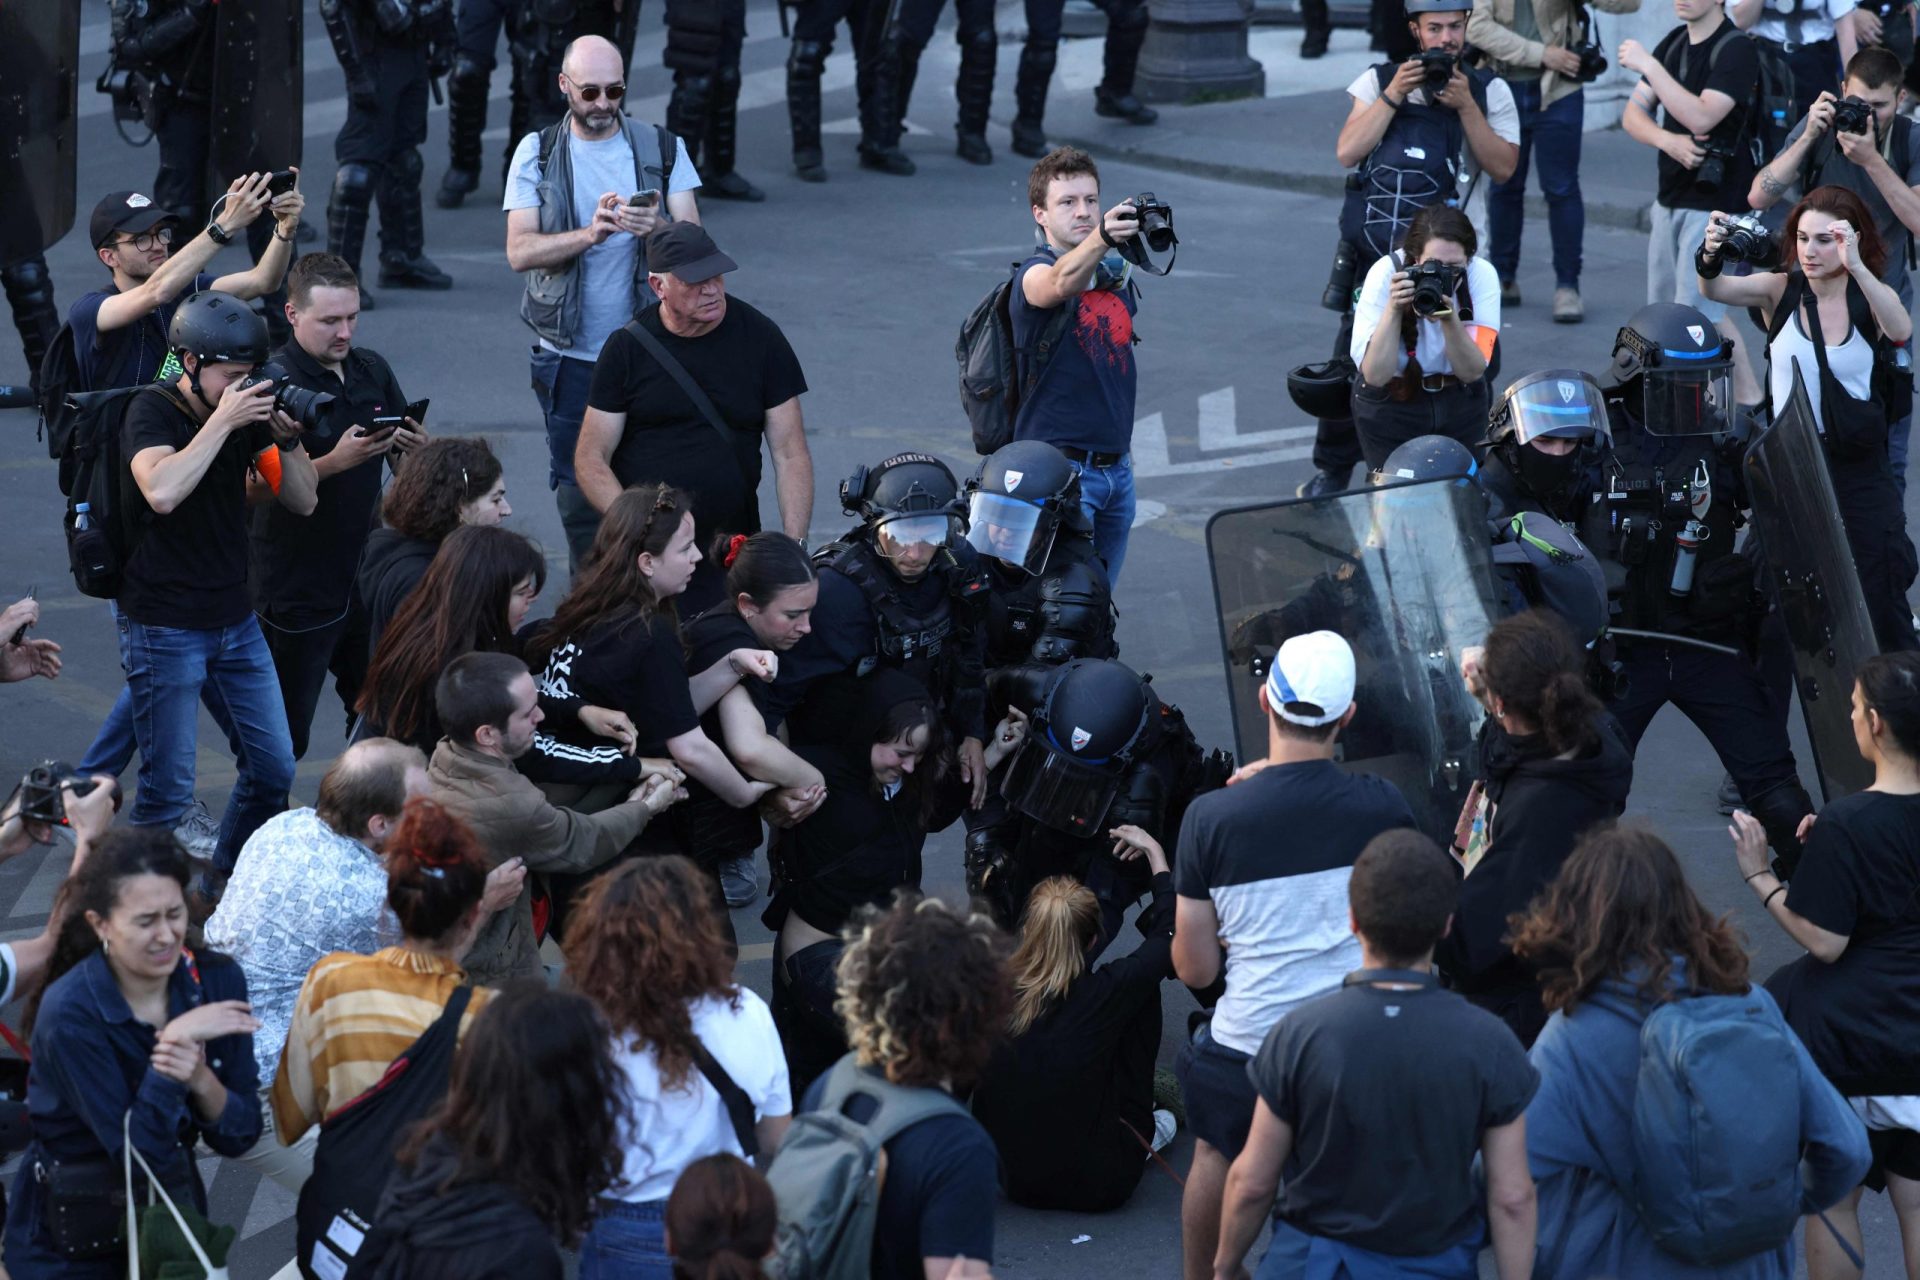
(592, 92)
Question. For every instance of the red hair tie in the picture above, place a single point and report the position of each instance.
(734, 544)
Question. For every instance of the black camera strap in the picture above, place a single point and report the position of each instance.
(702, 402)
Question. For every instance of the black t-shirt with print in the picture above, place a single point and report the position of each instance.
(626, 665)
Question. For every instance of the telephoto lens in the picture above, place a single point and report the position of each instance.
(298, 403)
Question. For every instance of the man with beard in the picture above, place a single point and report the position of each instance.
(581, 195)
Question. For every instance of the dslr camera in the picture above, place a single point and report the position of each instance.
(1434, 284)
(1593, 63)
(1436, 68)
(1156, 221)
(1712, 172)
(42, 798)
(298, 403)
(1852, 115)
(1748, 240)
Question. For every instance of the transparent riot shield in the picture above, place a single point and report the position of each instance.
(1797, 519)
(257, 102)
(1405, 573)
(39, 78)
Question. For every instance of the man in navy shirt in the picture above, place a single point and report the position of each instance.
(1083, 402)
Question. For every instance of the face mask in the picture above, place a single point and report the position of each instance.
(1546, 473)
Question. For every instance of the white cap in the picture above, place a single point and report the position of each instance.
(1311, 680)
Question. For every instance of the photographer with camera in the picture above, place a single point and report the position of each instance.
(303, 566)
(1815, 37)
(1423, 331)
(184, 615)
(1699, 79)
(1545, 53)
(1861, 142)
(1834, 286)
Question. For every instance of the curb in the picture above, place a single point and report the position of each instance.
(1605, 213)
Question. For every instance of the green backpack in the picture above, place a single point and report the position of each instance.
(828, 1172)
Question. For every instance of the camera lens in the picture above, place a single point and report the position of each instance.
(302, 405)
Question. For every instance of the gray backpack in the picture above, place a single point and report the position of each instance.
(828, 1172)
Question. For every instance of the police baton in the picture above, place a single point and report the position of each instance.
(1663, 637)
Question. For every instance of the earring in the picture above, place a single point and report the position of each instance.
(106, 947)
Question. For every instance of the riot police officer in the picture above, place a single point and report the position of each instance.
(901, 589)
(1126, 32)
(538, 33)
(389, 50)
(703, 48)
(814, 24)
(1101, 750)
(909, 25)
(1048, 598)
(1665, 505)
(1546, 436)
(477, 26)
(166, 49)
(29, 292)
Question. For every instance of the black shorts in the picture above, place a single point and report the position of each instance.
(1219, 1095)
(1895, 1151)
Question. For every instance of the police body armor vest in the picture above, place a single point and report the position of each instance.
(1068, 600)
(916, 644)
(1417, 163)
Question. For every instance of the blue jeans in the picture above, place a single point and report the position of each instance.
(1106, 496)
(561, 384)
(169, 670)
(627, 1242)
(1557, 130)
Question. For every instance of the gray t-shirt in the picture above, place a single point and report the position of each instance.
(1838, 171)
(606, 270)
(1526, 25)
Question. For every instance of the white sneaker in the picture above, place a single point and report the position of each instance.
(198, 832)
(1164, 1127)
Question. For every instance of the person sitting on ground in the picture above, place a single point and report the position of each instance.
(1854, 998)
(484, 1190)
(489, 708)
(1375, 1100)
(131, 1029)
(357, 1013)
(644, 943)
(720, 1221)
(451, 481)
(1068, 1097)
(1616, 935)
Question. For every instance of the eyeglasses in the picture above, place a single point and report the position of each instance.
(160, 237)
(592, 92)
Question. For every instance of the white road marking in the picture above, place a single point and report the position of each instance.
(1217, 432)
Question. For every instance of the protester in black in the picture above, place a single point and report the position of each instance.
(1068, 1097)
(1377, 1098)
(1555, 765)
(1854, 904)
(303, 567)
(484, 1192)
(450, 482)
(641, 426)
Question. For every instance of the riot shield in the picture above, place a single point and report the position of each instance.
(1405, 573)
(1797, 519)
(257, 102)
(39, 78)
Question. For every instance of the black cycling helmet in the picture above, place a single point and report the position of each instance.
(1684, 367)
(1018, 500)
(218, 328)
(1430, 458)
(914, 493)
(1564, 404)
(1090, 724)
(1324, 390)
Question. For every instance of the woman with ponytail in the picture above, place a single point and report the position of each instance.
(720, 1221)
(1554, 763)
(130, 1026)
(1068, 1097)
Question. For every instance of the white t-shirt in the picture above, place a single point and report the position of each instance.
(671, 1129)
(1502, 117)
(1851, 362)
(1816, 19)
(606, 270)
(1483, 286)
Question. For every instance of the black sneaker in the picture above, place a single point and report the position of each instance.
(1323, 483)
(455, 187)
(1029, 139)
(809, 165)
(412, 273)
(1123, 106)
(973, 148)
(886, 160)
(731, 186)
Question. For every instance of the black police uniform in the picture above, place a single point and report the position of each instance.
(814, 24)
(168, 45)
(703, 49)
(1126, 33)
(29, 290)
(477, 25)
(908, 27)
(302, 568)
(389, 50)
(539, 32)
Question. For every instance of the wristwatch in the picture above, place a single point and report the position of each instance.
(219, 234)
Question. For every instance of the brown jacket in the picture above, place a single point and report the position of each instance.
(513, 819)
(1490, 30)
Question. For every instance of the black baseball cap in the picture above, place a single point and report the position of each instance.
(686, 251)
(127, 212)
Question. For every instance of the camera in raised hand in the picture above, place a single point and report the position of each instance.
(1748, 240)
(1434, 286)
(1852, 115)
(1436, 69)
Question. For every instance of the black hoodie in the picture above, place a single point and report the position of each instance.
(1541, 806)
(474, 1231)
(390, 568)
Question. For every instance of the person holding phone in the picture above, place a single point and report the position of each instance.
(301, 569)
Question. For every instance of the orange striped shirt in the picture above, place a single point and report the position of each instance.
(355, 1015)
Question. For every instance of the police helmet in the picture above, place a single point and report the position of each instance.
(1561, 573)
(1436, 6)
(1684, 368)
(1017, 501)
(1430, 458)
(912, 495)
(1563, 404)
(1091, 723)
(218, 328)
(1324, 390)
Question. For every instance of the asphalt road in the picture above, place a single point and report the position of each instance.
(870, 277)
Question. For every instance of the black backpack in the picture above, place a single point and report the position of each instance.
(60, 381)
(1768, 116)
(96, 474)
(994, 387)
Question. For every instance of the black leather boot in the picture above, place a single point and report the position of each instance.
(688, 111)
(804, 63)
(30, 295)
(720, 179)
(403, 233)
(347, 219)
(896, 62)
(1030, 98)
(466, 121)
(1126, 32)
(974, 90)
(1318, 28)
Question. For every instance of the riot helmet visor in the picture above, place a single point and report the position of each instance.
(1681, 401)
(917, 530)
(1561, 406)
(1019, 533)
(1058, 791)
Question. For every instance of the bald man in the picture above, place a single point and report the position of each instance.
(574, 230)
